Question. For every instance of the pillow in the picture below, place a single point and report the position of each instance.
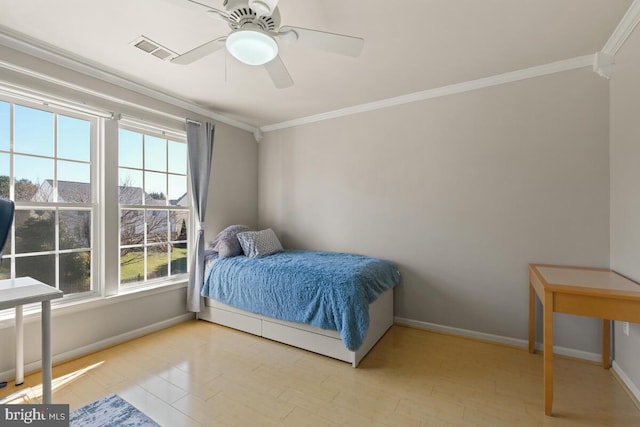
(226, 243)
(259, 243)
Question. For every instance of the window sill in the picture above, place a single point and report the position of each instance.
(62, 307)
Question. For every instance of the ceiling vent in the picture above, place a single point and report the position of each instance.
(147, 45)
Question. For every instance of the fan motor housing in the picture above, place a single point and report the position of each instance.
(240, 13)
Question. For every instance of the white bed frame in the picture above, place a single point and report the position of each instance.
(304, 336)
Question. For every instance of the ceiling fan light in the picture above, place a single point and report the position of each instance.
(252, 47)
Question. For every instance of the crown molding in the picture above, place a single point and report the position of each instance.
(32, 48)
(603, 64)
(625, 27)
(513, 76)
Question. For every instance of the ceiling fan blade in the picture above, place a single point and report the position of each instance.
(278, 73)
(200, 51)
(199, 5)
(331, 42)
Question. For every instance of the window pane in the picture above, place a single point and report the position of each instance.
(156, 226)
(155, 185)
(46, 152)
(74, 182)
(5, 178)
(7, 248)
(130, 191)
(178, 258)
(155, 153)
(33, 131)
(153, 173)
(75, 229)
(157, 261)
(5, 269)
(179, 221)
(75, 272)
(41, 267)
(74, 138)
(177, 157)
(5, 123)
(131, 227)
(35, 231)
(178, 190)
(131, 265)
(130, 149)
(33, 178)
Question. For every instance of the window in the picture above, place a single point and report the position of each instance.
(154, 206)
(55, 163)
(47, 168)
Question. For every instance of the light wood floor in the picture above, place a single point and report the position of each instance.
(198, 373)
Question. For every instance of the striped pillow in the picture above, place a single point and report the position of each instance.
(259, 243)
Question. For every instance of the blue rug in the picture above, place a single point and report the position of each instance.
(110, 411)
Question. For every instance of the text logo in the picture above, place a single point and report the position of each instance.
(34, 415)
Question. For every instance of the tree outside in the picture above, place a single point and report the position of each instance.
(35, 232)
(166, 232)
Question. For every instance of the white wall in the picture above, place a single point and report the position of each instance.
(625, 189)
(232, 196)
(461, 191)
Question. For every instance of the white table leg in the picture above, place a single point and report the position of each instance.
(19, 346)
(46, 352)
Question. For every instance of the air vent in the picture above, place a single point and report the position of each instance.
(147, 45)
(162, 54)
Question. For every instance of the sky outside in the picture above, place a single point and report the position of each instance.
(34, 133)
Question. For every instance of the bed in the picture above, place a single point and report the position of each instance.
(335, 304)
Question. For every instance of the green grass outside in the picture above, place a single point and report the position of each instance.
(156, 263)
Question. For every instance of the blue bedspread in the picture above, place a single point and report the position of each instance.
(324, 289)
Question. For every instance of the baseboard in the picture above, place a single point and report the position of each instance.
(101, 345)
(563, 351)
(624, 378)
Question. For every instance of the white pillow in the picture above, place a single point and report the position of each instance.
(259, 243)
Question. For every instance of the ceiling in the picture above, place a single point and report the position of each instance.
(410, 46)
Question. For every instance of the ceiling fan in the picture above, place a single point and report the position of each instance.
(255, 34)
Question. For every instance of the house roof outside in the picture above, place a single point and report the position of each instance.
(80, 192)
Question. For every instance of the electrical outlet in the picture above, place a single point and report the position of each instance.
(625, 328)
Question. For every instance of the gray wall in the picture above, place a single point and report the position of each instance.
(76, 331)
(233, 189)
(461, 191)
(625, 189)
(232, 196)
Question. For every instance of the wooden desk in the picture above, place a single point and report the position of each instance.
(583, 291)
(16, 293)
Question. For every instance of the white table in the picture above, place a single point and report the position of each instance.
(26, 290)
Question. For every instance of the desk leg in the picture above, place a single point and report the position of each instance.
(532, 318)
(19, 346)
(46, 352)
(548, 352)
(606, 343)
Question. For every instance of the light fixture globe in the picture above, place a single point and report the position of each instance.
(252, 46)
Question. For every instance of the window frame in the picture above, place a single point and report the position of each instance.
(105, 270)
(93, 206)
(144, 128)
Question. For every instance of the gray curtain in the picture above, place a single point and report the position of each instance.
(200, 145)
